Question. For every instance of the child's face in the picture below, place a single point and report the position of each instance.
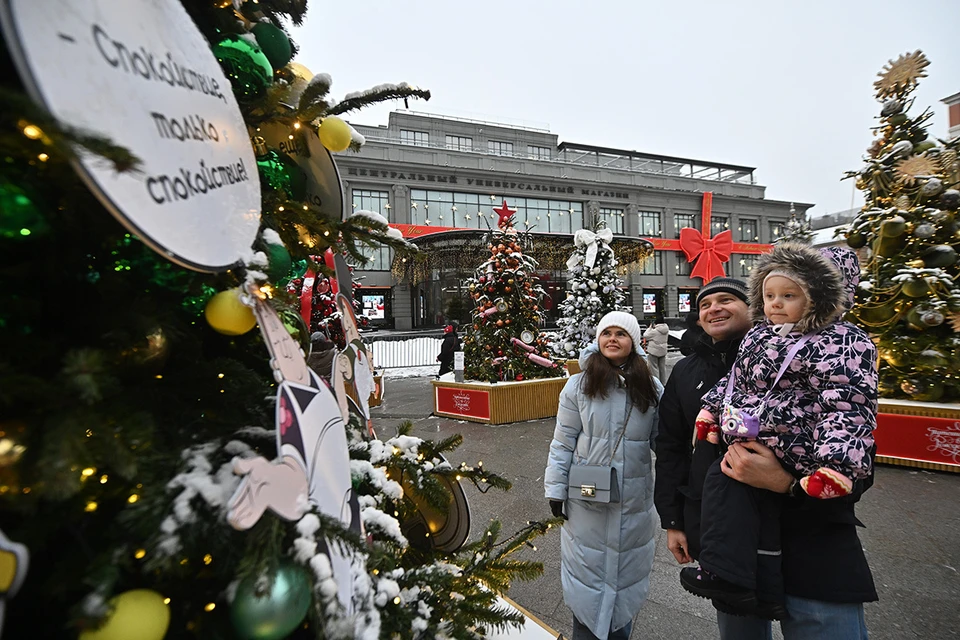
(783, 300)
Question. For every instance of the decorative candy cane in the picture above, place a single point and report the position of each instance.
(489, 312)
(540, 360)
(522, 345)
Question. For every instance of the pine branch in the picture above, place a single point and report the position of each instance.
(380, 93)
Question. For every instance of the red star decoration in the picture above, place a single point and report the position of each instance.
(505, 214)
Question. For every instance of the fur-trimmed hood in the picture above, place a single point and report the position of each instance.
(829, 276)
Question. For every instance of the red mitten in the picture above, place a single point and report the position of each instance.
(826, 483)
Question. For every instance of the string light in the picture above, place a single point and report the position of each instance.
(140, 554)
(32, 131)
(207, 559)
(210, 607)
(89, 471)
(133, 498)
(166, 601)
(220, 375)
(296, 125)
(91, 507)
(43, 157)
(396, 600)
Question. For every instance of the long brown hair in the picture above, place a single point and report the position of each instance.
(600, 375)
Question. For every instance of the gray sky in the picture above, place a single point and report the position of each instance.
(786, 89)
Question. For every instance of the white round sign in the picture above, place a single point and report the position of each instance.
(141, 73)
(324, 189)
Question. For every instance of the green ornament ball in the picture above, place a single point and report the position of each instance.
(893, 227)
(19, 215)
(299, 268)
(246, 66)
(941, 255)
(275, 614)
(283, 173)
(898, 119)
(856, 240)
(274, 43)
(916, 288)
(278, 261)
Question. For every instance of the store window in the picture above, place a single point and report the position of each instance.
(747, 263)
(369, 200)
(749, 230)
(718, 224)
(612, 217)
(475, 211)
(459, 143)
(498, 148)
(685, 220)
(416, 138)
(683, 266)
(649, 224)
(685, 301)
(653, 264)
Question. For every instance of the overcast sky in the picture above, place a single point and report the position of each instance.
(785, 89)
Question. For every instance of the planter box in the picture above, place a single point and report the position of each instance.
(573, 366)
(919, 434)
(498, 403)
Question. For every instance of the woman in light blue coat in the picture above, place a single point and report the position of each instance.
(606, 548)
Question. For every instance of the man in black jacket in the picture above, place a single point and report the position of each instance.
(825, 572)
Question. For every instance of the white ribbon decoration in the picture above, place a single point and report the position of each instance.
(589, 239)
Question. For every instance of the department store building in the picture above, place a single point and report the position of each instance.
(427, 173)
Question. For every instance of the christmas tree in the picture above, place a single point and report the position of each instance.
(595, 290)
(504, 342)
(796, 229)
(909, 297)
(316, 296)
(133, 389)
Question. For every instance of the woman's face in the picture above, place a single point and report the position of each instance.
(615, 345)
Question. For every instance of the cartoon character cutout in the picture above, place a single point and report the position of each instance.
(313, 468)
(353, 365)
(14, 561)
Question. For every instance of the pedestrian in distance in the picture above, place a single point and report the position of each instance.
(656, 337)
(449, 346)
(607, 417)
(692, 333)
(321, 356)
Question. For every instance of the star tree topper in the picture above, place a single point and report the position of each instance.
(506, 216)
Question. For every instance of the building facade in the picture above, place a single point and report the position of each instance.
(953, 115)
(423, 172)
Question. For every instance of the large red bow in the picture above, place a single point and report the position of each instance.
(712, 252)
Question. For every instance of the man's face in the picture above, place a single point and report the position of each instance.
(724, 316)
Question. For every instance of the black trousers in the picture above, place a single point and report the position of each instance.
(446, 366)
(740, 534)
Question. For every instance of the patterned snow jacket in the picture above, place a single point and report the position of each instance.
(823, 410)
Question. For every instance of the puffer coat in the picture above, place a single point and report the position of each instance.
(822, 412)
(606, 549)
(656, 335)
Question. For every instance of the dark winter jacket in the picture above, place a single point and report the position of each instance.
(823, 410)
(680, 469)
(449, 346)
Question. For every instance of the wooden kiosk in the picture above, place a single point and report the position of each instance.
(919, 434)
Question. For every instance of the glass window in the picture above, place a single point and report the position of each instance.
(776, 230)
(684, 220)
(747, 263)
(538, 153)
(378, 259)
(376, 201)
(653, 265)
(749, 230)
(475, 211)
(684, 300)
(718, 224)
(613, 218)
(500, 148)
(460, 143)
(416, 138)
(682, 266)
(650, 223)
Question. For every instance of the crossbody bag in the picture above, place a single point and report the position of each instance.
(597, 482)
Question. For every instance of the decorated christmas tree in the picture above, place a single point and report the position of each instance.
(317, 301)
(165, 470)
(595, 290)
(909, 298)
(796, 229)
(504, 341)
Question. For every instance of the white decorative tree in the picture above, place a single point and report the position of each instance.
(594, 290)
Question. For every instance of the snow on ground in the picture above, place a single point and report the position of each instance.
(412, 372)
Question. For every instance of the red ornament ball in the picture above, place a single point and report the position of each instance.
(499, 353)
(519, 377)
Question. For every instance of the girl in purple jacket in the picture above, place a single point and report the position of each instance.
(805, 385)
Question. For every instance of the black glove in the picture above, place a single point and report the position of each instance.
(556, 506)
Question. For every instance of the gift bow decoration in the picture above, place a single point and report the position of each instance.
(710, 253)
(590, 240)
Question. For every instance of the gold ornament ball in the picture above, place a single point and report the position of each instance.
(301, 78)
(335, 134)
(226, 314)
(140, 614)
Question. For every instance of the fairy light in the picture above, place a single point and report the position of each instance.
(376, 572)
(166, 601)
(207, 559)
(91, 507)
(140, 554)
(89, 471)
(280, 208)
(133, 498)
(396, 600)
(32, 131)
(43, 157)
(210, 606)
(296, 125)
(220, 375)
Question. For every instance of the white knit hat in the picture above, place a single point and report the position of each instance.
(626, 321)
